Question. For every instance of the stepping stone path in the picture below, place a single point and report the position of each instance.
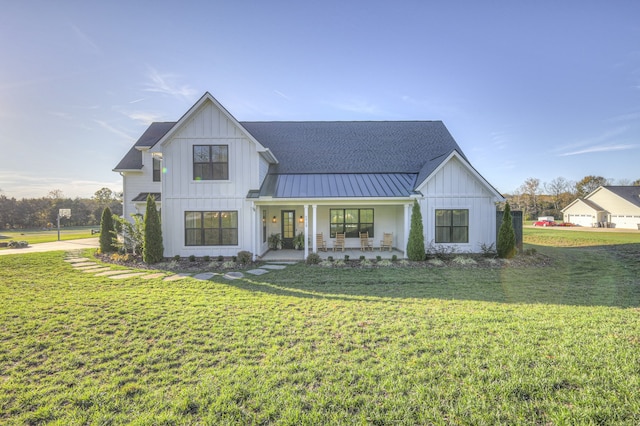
(100, 270)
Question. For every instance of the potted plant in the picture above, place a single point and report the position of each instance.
(275, 241)
(298, 241)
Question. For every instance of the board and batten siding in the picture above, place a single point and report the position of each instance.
(181, 193)
(454, 187)
(137, 182)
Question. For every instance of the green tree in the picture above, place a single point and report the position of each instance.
(153, 251)
(107, 234)
(506, 235)
(588, 184)
(415, 248)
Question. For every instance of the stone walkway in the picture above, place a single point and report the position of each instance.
(89, 266)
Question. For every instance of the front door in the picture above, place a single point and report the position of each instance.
(288, 228)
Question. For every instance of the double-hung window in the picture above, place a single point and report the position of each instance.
(452, 226)
(216, 228)
(351, 222)
(210, 162)
(157, 169)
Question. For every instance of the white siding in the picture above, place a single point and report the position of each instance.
(181, 193)
(136, 182)
(453, 186)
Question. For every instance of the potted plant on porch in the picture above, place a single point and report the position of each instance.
(275, 241)
(298, 241)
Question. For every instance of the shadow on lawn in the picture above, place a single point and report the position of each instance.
(591, 276)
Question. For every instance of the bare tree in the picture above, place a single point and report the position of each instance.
(530, 190)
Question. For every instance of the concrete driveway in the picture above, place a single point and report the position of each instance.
(55, 246)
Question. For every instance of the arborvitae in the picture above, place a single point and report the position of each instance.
(153, 251)
(107, 237)
(415, 248)
(506, 235)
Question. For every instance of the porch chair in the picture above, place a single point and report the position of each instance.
(320, 242)
(339, 242)
(365, 242)
(387, 241)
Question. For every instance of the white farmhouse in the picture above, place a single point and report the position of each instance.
(223, 186)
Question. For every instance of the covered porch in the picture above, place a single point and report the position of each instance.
(354, 254)
(313, 221)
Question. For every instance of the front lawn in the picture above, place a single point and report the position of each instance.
(533, 344)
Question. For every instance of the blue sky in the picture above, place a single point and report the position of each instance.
(541, 89)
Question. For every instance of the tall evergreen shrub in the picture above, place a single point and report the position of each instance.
(506, 235)
(152, 251)
(107, 232)
(415, 248)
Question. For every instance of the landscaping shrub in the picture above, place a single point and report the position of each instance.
(244, 257)
(176, 257)
(107, 230)
(192, 258)
(506, 235)
(362, 257)
(415, 247)
(378, 258)
(206, 258)
(394, 258)
(221, 258)
(153, 250)
(313, 259)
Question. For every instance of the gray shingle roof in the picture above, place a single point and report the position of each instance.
(336, 158)
(133, 159)
(353, 146)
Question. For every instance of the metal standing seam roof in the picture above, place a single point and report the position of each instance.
(325, 185)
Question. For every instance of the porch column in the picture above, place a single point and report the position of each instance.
(407, 226)
(306, 231)
(315, 228)
(254, 231)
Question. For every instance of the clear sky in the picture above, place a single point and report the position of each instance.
(540, 89)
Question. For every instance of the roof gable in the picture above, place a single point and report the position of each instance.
(133, 158)
(630, 194)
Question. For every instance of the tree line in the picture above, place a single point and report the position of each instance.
(43, 212)
(536, 199)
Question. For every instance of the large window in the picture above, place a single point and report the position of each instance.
(452, 226)
(157, 169)
(211, 228)
(351, 222)
(210, 162)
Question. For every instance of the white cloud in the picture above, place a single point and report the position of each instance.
(165, 84)
(112, 129)
(600, 148)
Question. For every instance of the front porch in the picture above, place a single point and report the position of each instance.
(353, 253)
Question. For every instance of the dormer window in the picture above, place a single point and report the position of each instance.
(157, 169)
(210, 162)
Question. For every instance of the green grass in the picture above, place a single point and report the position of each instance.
(35, 236)
(579, 238)
(530, 344)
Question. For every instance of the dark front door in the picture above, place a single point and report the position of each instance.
(288, 228)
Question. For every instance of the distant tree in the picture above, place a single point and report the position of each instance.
(636, 182)
(153, 251)
(103, 196)
(588, 184)
(530, 190)
(559, 189)
(55, 194)
(415, 247)
(506, 245)
(107, 233)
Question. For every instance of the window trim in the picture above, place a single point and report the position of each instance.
(210, 162)
(359, 224)
(219, 227)
(156, 172)
(451, 227)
